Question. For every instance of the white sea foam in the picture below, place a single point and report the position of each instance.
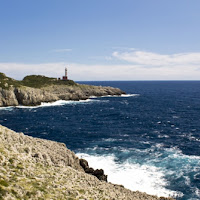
(64, 102)
(143, 178)
(56, 103)
(43, 104)
(197, 192)
(61, 103)
(93, 97)
(129, 95)
(9, 108)
(192, 138)
(111, 140)
(163, 136)
(122, 95)
(177, 153)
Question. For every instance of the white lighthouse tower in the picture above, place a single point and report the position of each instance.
(65, 77)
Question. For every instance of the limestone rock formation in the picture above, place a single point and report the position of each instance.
(33, 169)
(8, 98)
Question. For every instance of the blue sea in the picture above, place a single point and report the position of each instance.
(147, 140)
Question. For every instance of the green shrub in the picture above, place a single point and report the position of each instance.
(35, 81)
(6, 82)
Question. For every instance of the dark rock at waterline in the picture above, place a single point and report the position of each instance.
(84, 163)
(99, 173)
(89, 171)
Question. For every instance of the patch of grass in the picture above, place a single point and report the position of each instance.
(20, 166)
(11, 160)
(2, 150)
(29, 194)
(14, 192)
(2, 193)
(4, 183)
(39, 187)
(37, 81)
(81, 191)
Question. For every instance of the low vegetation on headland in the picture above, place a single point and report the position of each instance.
(38, 169)
(35, 89)
(34, 81)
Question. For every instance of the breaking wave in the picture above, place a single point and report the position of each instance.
(56, 103)
(144, 178)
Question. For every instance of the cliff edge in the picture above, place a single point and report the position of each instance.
(32, 168)
(33, 90)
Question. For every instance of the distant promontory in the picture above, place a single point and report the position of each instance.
(35, 89)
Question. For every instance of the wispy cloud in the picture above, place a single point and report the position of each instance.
(141, 65)
(61, 50)
(158, 60)
(102, 72)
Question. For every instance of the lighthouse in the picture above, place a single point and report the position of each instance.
(65, 77)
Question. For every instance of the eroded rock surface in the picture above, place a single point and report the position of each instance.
(34, 96)
(32, 168)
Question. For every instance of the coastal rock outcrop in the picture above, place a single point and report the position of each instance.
(99, 173)
(33, 168)
(31, 92)
(32, 96)
(8, 98)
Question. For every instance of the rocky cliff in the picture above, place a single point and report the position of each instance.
(32, 168)
(33, 90)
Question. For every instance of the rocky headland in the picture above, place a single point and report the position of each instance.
(33, 90)
(33, 168)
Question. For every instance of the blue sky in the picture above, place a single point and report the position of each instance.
(101, 39)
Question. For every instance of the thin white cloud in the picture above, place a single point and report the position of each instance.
(102, 72)
(61, 50)
(153, 59)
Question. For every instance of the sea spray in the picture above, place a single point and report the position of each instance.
(135, 177)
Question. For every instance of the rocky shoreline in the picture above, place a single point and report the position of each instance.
(29, 96)
(35, 89)
(33, 96)
(33, 168)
